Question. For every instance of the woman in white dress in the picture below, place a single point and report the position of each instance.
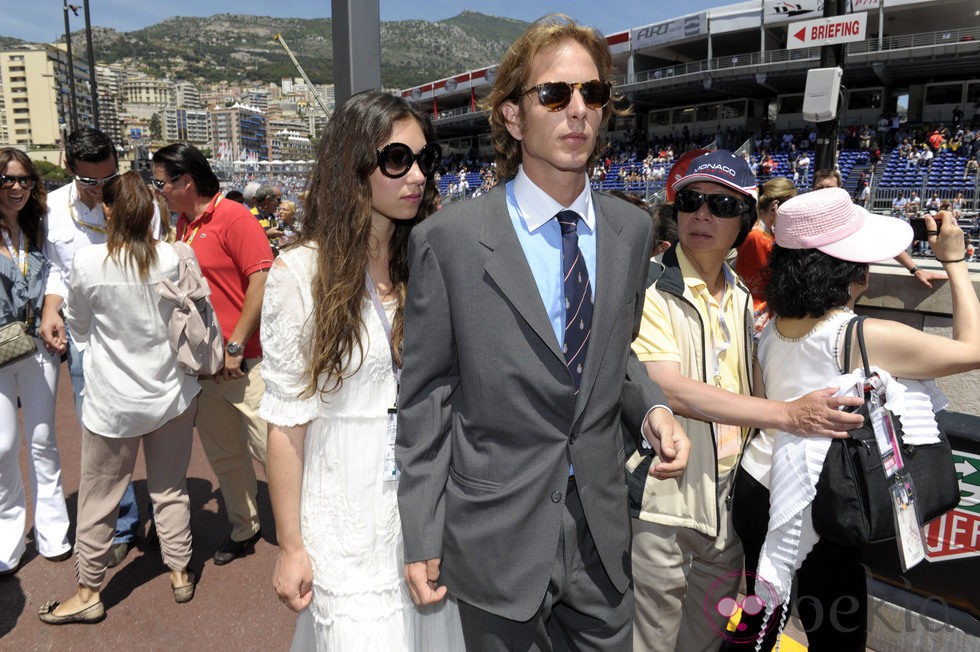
(331, 333)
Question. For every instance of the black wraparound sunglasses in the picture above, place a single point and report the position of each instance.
(396, 159)
(160, 184)
(720, 205)
(556, 95)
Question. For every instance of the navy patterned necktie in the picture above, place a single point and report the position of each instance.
(578, 296)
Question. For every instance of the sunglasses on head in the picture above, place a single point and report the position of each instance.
(720, 205)
(7, 182)
(555, 96)
(91, 181)
(160, 184)
(396, 159)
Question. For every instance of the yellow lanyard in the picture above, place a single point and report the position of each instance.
(81, 223)
(193, 235)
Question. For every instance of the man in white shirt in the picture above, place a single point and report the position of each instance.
(76, 219)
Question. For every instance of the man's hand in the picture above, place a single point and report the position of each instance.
(669, 442)
(52, 328)
(422, 578)
(816, 414)
(232, 368)
(293, 579)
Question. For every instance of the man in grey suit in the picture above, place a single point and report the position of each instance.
(518, 374)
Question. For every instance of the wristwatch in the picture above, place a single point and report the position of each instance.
(234, 348)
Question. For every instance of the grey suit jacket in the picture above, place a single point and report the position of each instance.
(488, 414)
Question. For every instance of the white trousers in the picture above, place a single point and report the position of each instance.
(34, 379)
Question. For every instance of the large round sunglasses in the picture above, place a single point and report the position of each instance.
(720, 205)
(7, 182)
(556, 95)
(396, 159)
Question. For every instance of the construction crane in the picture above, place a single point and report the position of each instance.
(309, 84)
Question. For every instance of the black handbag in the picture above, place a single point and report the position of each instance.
(853, 505)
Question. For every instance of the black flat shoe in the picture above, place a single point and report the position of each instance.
(117, 553)
(231, 549)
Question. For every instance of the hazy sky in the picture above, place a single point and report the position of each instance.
(45, 20)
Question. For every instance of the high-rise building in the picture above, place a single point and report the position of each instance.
(110, 102)
(186, 126)
(239, 131)
(35, 96)
(186, 95)
(147, 92)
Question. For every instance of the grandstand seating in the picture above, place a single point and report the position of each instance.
(944, 175)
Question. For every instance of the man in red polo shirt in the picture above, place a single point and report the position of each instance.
(235, 257)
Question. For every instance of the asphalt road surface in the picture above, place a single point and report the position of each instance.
(234, 607)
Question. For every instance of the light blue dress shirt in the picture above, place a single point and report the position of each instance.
(532, 212)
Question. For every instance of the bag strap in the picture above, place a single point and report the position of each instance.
(184, 255)
(847, 342)
(864, 350)
(187, 266)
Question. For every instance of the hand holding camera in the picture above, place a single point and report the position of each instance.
(945, 237)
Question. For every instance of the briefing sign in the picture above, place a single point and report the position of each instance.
(670, 31)
(956, 534)
(827, 31)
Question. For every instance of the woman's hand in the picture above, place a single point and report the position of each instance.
(293, 578)
(947, 240)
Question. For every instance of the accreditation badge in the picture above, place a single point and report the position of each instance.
(910, 547)
(729, 440)
(391, 472)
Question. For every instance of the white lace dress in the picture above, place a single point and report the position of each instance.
(349, 514)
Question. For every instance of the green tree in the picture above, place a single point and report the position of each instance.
(156, 129)
(50, 171)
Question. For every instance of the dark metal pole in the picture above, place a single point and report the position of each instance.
(830, 57)
(91, 67)
(356, 47)
(72, 108)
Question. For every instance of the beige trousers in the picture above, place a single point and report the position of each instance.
(679, 575)
(232, 433)
(107, 467)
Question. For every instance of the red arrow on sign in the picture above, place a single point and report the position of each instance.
(801, 34)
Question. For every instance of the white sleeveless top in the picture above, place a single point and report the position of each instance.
(789, 466)
(792, 367)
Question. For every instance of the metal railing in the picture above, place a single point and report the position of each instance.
(769, 58)
(920, 40)
(965, 36)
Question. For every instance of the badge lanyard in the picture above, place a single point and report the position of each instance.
(902, 489)
(391, 471)
(20, 254)
(190, 239)
(728, 436)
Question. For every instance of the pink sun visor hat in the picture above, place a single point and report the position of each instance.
(828, 220)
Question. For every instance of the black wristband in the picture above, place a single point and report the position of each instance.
(914, 270)
(958, 260)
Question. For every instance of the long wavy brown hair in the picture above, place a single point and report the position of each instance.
(128, 235)
(338, 222)
(512, 77)
(31, 218)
